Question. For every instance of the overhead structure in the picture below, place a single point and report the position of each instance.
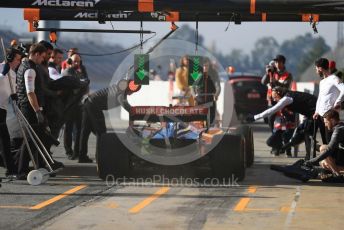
(243, 6)
(235, 11)
(102, 16)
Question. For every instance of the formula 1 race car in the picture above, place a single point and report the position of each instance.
(175, 135)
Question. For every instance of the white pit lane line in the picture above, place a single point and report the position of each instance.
(292, 208)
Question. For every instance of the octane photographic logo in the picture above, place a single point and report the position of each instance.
(177, 141)
(64, 3)
(167, 181)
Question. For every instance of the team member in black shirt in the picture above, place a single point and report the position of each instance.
(297, 102)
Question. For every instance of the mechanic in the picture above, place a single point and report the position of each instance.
(30, 98)
(54, 65)
(332, 155)
(43, 69)
(49, 96)
(331, 89)
(208, 89)
(70, 52)
(284, 126)
(297, 102)
(276, 75)
(7, 73)
(93, 119)
(74, 70)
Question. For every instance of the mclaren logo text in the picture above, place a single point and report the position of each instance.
(94, 15)
(64, 3)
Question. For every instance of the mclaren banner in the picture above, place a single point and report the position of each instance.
(248, 6)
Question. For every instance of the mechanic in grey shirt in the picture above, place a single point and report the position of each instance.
(332, 155)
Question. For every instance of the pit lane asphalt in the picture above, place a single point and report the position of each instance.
(77, 199)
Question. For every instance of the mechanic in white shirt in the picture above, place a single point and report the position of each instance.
(7, 73)
(331, 89)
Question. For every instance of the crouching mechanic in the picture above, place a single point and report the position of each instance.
(332, 155)
(297, 102)
(93, 119)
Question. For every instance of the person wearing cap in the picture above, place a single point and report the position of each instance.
(276, 74)
(331, 89)
(70, 52)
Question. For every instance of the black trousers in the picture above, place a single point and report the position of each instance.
(278, 138)
(73, 125)
(6, 143)
(93, 120)
(307, 131)
(271, 121)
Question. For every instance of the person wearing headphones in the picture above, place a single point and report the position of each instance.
(70, 52)
(7, 73)
(74, 70)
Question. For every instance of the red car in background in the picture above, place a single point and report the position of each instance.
(249, 93)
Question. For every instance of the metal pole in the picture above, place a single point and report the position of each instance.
(36, 139)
